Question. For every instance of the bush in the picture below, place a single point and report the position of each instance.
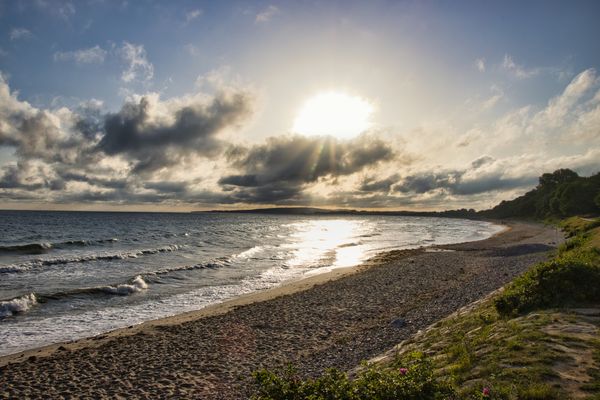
(414, 381)
(571, 278)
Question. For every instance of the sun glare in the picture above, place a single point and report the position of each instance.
(333, 113)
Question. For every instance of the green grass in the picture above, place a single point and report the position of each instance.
(572, 277)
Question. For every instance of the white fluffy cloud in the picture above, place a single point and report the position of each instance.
(137, 66)
(517, 70)
(267, 14)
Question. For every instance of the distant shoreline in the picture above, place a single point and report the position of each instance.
(464, 213)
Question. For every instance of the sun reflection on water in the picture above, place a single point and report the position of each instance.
(327, 243)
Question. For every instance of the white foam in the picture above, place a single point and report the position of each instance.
(249, 253)
(41, 262)
(137, 285)
(17, 305)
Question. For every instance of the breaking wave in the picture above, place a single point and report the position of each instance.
(17, 305)
(137, 285)
(24, 303)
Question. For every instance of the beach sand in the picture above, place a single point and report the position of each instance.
(335, 319)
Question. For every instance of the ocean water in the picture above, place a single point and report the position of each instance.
(68, 275)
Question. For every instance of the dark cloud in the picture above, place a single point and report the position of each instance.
(191, 130)
(383, 185)
(481, 161)
(59, 150)
(459, 182)
(279, 169)
(168, 187)
(35, 135)
(469, 181)
(109, 183)
(14, 177)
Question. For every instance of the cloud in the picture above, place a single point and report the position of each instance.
(279, 169)
(192, 15)
(65, 10)
(373, 184)
(490, 102)
(175, 152)
(518, 71)
(137, 65)
(267, 14)
(480, 64)
(561, 107)
(19, 33)
(192, 50)
(21, 176)
(37, 134)
(85, 154)
(92, 55)
(154, 134)
(57, 8)
(483, 175)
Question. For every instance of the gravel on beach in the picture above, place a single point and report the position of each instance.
(335, 323)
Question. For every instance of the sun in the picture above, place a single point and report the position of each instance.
(334, 113)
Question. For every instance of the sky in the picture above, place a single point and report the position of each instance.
(195, 105)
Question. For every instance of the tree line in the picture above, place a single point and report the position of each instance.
(559, 194)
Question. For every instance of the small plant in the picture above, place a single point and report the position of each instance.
(414, 380)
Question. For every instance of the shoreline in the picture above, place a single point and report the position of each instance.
(285, 288)
(330, 319)
(223, 307)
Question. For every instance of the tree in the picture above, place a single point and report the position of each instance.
(578, 198)
(549, 181)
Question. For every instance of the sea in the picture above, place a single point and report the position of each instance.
(70, 275)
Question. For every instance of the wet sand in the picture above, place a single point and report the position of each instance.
(330, 320)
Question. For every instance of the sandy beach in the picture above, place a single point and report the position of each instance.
(330, 320)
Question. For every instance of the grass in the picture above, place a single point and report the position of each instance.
(572, 277)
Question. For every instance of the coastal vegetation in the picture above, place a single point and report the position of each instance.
(536, 339)
(562, 193)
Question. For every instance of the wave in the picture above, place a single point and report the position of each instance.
(17, 305)
(40, 248)
(38, 263)
(83, 242)
(137, 285)
(249, 253)
(217, 263)
(30, 248)
(22, 304)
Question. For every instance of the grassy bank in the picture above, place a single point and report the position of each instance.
(537, 339)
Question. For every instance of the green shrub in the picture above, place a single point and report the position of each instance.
(413, 381)
(571, 278)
